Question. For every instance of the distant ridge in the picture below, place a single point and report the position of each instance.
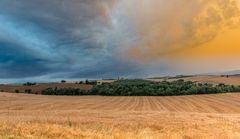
(225, 73)
(232, 73)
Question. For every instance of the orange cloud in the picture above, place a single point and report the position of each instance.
(185, 28)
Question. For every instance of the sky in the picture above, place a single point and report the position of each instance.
(93, 39)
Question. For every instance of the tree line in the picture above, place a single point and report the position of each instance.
(147, 88)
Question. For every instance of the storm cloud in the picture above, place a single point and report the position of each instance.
(104, 38)
(59, 37)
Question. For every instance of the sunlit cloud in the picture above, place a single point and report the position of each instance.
(110, 38)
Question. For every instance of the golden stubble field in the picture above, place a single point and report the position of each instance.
(97, 117)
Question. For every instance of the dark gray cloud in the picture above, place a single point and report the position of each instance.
(58, 38)
(70, 21)
(17, 63)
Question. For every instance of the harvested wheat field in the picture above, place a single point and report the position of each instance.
(97, 117)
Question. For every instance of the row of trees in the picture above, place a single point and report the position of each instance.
(83, 82)
(29, 84)
(145, 88)
(149, 88)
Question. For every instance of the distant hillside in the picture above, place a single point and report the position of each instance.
(39, 87)
(232, 73)
(213, 79)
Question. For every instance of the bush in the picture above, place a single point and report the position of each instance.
(91, 82)
(29, 84)
(29, 91)
(64, 91)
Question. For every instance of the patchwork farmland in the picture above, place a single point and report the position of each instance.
(36, 89)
